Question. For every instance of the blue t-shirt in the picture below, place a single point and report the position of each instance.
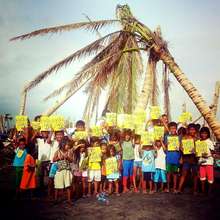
(172, 157)
(148, 161)
(19, 157)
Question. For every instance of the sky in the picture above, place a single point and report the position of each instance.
(190, 27)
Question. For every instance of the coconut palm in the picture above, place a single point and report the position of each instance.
(143, 38)
(216, 98)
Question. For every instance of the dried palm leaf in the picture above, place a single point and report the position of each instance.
(94, 26)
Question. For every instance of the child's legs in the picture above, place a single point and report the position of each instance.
(183, 177)
(125, 174)
(134, 175)
(210, 176)
(175, 181)
(84, 185)
(202, 173)
(89, 188)
(110, 187)
(68, 194)
(144, 178)
(116, 186)
(97, 178)
(131, 163)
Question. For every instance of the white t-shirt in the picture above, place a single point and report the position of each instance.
(54, 148)
(210, 159)
(137, 153)
(160, 160)
(43, 150)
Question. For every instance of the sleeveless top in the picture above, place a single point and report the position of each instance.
(20, 156)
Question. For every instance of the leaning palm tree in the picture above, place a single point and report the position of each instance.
(216, 98)
(145, 38)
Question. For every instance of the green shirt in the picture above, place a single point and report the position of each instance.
(127, 150)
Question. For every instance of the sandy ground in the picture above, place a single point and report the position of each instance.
(128, 206)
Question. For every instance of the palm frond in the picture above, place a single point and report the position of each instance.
(94, 26)
(88, 50)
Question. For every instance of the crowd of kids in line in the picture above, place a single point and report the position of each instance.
(116, 163)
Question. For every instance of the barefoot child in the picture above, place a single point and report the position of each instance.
(112, 170)
(104, 151)
(137, 163)
(172, 156)
(83, 167)
(128, 160)
(160, 165)
(189, 157)
(28, 181)
(18, 163)
(94, 175)
(63, 176)
(148, 167)
(206, 160)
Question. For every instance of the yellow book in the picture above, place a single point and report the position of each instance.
(188, 146)
(96, 131)
(57, 122)
(158, 132)
(45, 123)
(21, 122)
(147, 138)
(155, 112)
(201, 148)
(111, 118)
(111, 165)
(35, 125)
(80, 135)
(173, 143)
(95, 154)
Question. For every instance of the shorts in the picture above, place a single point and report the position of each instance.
(138, 164)
(148, 176)
(94, 175)
(160, 176)
(206, 172)
(18, 175)
(85, 173)
(53, 170)
(190, 167)
(172, 168)
(128, 168)
(113, 177)
(63, 179)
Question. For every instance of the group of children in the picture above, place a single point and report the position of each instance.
(117, 162)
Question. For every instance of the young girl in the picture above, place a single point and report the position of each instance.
(83, 167)
(128, 160)
(18, 163)
(94, 166)
(112, 168)
(63, 176)
(189, 158)
(206, 161)
(137, 163)
(104, 151)
(28, 181)
(148, 167)
(172, 156)
(160, 165)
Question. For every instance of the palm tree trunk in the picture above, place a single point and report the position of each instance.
(216, 98)
(166, 85)
(144, 96)
(191, 90)
(23, 102)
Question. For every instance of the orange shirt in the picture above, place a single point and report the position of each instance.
(28, 180)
